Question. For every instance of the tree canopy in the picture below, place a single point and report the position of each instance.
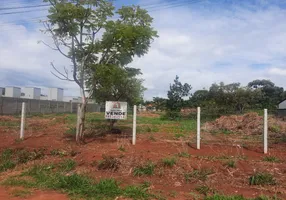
(88, 34)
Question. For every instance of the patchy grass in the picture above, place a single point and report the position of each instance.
(147, 169)
(121, 148)
(230, 164)
(238, 197)
(274, 129)
(272, 159)
(67, 165)
(184, 155)
(80, 186)
(203, 189)
(169, 162)
(10, 158)
(260, 178)
(198, 174)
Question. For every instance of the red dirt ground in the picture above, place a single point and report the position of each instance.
(49, 133)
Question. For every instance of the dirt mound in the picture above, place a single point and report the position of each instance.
(250, 124)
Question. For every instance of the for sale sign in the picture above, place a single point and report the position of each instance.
(115, 110)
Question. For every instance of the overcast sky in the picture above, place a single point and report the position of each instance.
(200, 41)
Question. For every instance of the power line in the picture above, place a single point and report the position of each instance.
(22, 7)
(25, 11)
(150, 8)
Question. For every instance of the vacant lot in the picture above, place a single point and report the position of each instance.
(162, 165)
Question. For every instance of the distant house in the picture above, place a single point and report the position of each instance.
(282, 108)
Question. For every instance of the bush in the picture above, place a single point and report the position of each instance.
(169, 162)
(271, 159)
(172, 115)
(262, 179)
(147, 169)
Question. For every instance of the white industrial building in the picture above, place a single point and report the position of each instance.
(72, 99)
(282, 105)
(56, 94)
(1, 91)
(32, 93)
(11, 91)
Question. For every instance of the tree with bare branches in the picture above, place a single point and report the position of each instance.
(92, 32)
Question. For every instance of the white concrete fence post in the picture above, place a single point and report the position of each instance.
(134, 125)
(23, 116)
(265, 140)
(198, 128)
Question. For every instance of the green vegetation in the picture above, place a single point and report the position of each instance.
(53, 176)
(71, 131)
(260, 178)
(238, 197)
(231, 164)
(272, 159)
(184, 154)
(169, 162)
(203, 189)
(10, 158)
(274, 129)
(198, 174)
(147, 169)
(121, 148)
(10, 124)
(67, 165)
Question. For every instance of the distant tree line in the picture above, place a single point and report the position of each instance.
(222, 98)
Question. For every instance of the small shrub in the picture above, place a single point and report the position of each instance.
(203, 189)
(169, 162)
(274, 129)
(200, 174)
(184, 154)
(271, 159)
(136, 192)
(147, 169)
(172, 115)
(7, 165)
(109, 163)
(262, 179)
(121, 148)
(231, 164)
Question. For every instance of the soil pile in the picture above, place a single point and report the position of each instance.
(249, 124)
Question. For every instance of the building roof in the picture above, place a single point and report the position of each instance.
(12, 87)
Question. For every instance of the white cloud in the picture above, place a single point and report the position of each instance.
(202, 45)
(277, 71)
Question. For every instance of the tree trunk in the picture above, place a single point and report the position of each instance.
(82, 121)
(112, 122)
